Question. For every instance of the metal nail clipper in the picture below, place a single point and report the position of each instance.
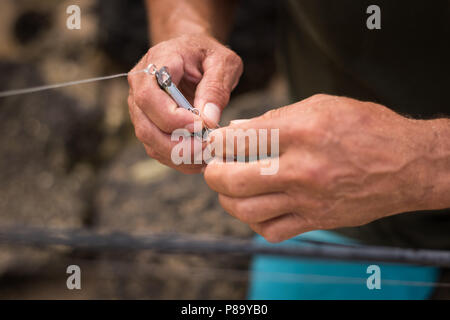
(165, 82)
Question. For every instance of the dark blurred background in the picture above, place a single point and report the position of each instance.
(69, 158)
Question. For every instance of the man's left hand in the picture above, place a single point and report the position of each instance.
(342, 163)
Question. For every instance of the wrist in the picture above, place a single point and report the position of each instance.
(163, 31)
(173, 18)
(434, 171)
(439, 163)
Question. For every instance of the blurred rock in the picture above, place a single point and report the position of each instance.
(68, 157)
(137, 194)
(46, 144)
(30, 25)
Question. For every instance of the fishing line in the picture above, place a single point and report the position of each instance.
(17, 92)
(162, 76)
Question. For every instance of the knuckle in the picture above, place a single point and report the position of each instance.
(130, 101)
(141, 132)
(356, 114)
(318, 97)
(172, 124)
(155, 51)
(140, 98)
(217, 89)
(232, 58)
(310, 173)
(315, 174)
(316, 130)
(315, 122)
(151, 153)
(130, 78)
(276, 113)
(169, 124)
(239, 61)
(271, 114)
(166, 126)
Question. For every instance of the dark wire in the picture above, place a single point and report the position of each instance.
(179, 243)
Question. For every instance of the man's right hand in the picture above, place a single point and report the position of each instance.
(203, 69)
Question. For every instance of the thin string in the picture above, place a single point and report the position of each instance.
(150, 69)
(17, 92)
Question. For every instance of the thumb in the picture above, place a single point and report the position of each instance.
(213, 91)
(248, 138)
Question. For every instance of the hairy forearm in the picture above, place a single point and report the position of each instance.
(439, 164)
(172, 18)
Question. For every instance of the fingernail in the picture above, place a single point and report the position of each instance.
(212, 113)
(238, 121)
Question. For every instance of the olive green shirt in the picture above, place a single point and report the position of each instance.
(325, 46)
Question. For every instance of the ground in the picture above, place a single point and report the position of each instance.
(69, 157)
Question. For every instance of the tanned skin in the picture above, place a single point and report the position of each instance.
(342, 162)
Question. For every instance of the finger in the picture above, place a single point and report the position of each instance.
(257, 138)
(237, 179)
(160, 145)
(221, 75)
(161, 142)
(158, 106)
(146, 131)
(257, 209)
(282, 228)
(151, 152)
(247, 144)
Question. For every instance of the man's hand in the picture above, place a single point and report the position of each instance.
(342, 163)
(203, 69)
